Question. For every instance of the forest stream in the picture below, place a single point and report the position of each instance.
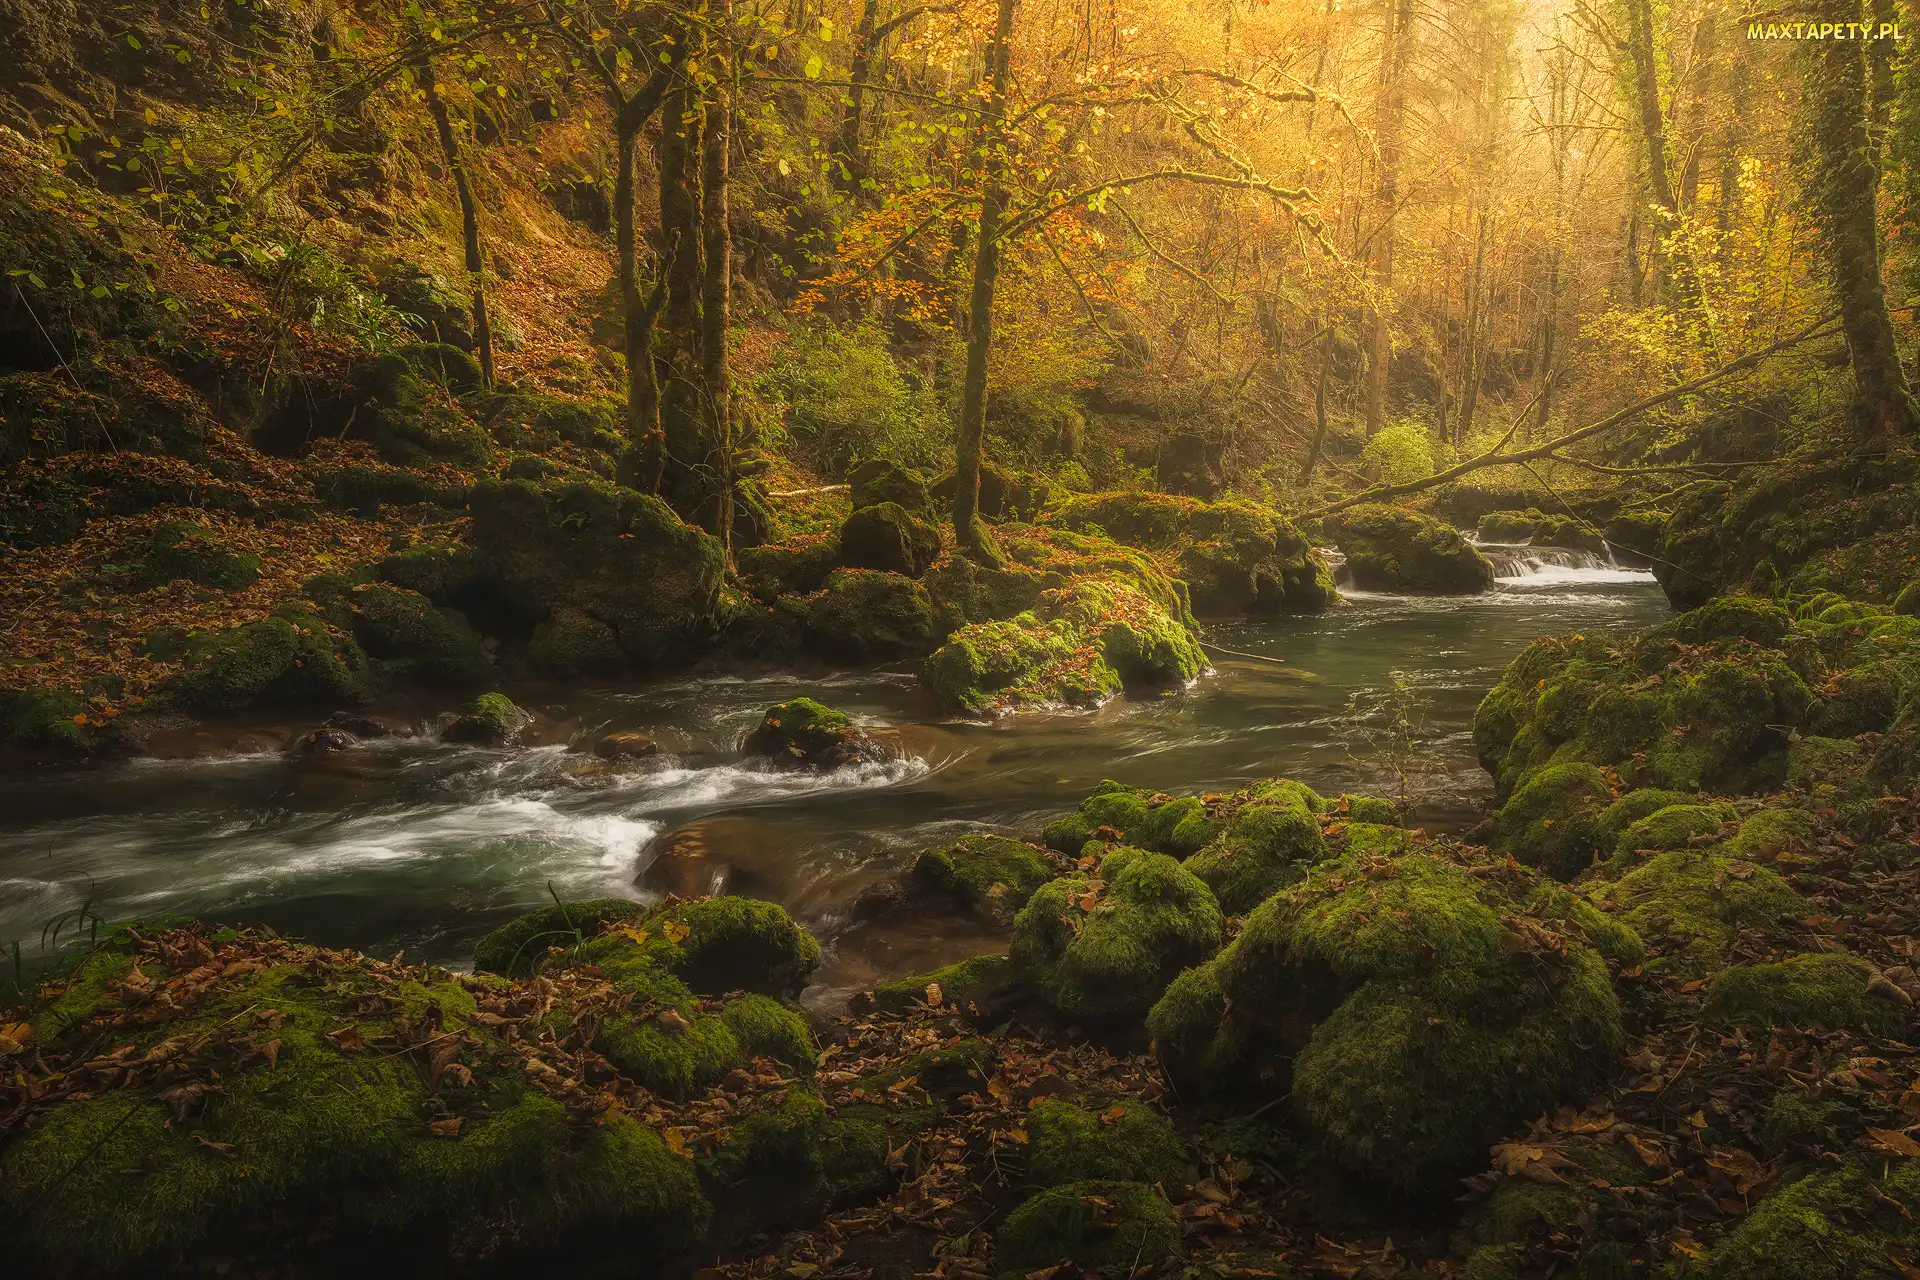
(416, 844)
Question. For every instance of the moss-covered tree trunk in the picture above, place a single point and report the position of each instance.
(646, 449)
(1653, 131)
(682, 408)
(1845, 190)
(717, 244)
(1388, 130)
(469, 212)
(968, 529)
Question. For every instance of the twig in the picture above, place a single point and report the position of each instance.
(1257, 657)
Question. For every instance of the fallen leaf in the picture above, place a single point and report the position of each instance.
(1891, 1141)
(447, 1128)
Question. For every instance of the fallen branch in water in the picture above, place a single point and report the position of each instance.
(1257, 657)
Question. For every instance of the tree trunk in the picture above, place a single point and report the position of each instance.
(682, 409)
(1846, 193)
(969, 442)
(1393, 110)
(1653, 130)
(717, 238)
(646, 450)
(469, 215)
(1475, 321)
(1319, 408)
(846, 146)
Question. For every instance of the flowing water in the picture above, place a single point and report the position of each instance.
(406, 842)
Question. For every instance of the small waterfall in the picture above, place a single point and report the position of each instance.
(1336, 562)
(1524, 563)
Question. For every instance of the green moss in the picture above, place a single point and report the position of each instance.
(806, 732)
(887, 537)
(1832, 1225)
(44, 718)
(1732, 617)
(1863, 698)
(864, 615)
(1674, 827)
(766, 1028)
(1799, 1118)
(1698, 904)
(491, 720)
(1630, 808)
(1826, 991)
(290, 657)
(441, 573)
(877, 480)
(1113, 1228)
(1106, 946)
(1412, 1011)
(1121, 1139)
(182, 549)
(992, 875)
(416, 641)
(1144, 819)
(517, 948)
(1371, 809)
(794, 566)
(979, 979)
(739, 944)
(1520, 1207)
(1814, 762)
(1551, 821)
(1390, 549)
(572, 642)
(1768, 834)
(1262, 848)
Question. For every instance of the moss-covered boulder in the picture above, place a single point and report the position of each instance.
(1556, 1183)
(1078, 647)
(1534, 527)
(1093, 1139)
(183, 549)
(490, 720)
(1104, 945)
(1236, 557)
(1833, 1224)
(409, 419)
(571, 642)
(1552, 820)
(1825, 991)
(517, 948)
(1391, 549)
(1412, 1008)
(1674, 826)
(1269, 835)
(1152, 820)
(877, 480)
(978, 981)
(416, 641)
(887, 537)
(793, 566)
(45, 719)
(272, 1093)
(442, 572)
(293, 656)
(1695, 905)
(1694, 704)
(620, 557)
(1108, 1228)
(807, 734)
(992, 876)
(864, 615)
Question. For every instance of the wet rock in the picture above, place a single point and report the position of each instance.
(365, 726)
(684, 864)
(1391, 549)
(805, 734)
(323, 742)
(492, 720)
(626, 746)
(1109, 1228)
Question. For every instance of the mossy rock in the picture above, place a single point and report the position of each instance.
(1266, 845)
(992, 876)
(1410, 1008)
(1769, 834)
(1105, 946)
(416, 641)
(1824, 991)
(620, 557)
(878, 481)
(807, 734)
(1391, 549)
(1661, 710)
(1110, 1228)
(887, 537)
(1676, 826)
(794, 566)
(1814, 763)
(1552, 820)
(290, 657)
(490, 720)
(319, 1131)
(44, 719)
(1633, 806)
(446, 364)
(978, 980)
(1119, 1139)
(1696, 904)
(741, 944)
(407, 419)
(864, 615)
(1863, 699)
(1374, 809)
(182, 549)
(1522, 1208)
(1834, 1224)
(517, 948)
(1236, 557)
(1143, 819)
(572, 642)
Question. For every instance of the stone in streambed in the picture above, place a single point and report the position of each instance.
(492, 720)
(1391, 549)
(803, 733)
